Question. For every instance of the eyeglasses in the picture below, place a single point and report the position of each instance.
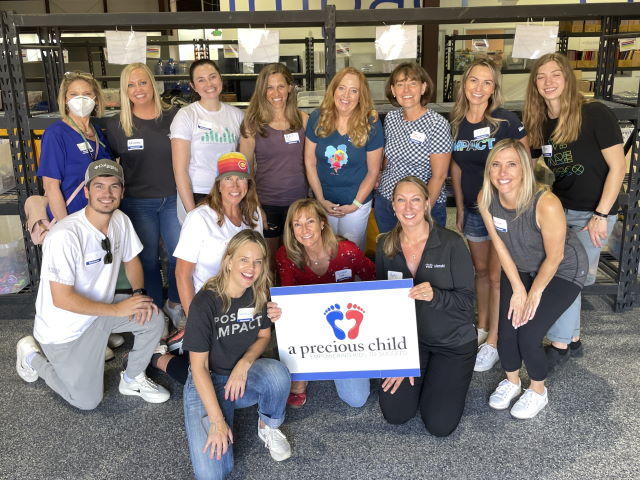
(106, 246)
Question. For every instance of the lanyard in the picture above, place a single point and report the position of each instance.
(86, 142)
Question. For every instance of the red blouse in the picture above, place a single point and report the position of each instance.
(349, 262)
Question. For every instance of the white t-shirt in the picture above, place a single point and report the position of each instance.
(203, 241)
(211, 134)
(72, 254)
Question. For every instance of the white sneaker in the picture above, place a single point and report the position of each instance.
(115, 340)
(143, 387)
(26, 346)
(487, 358)
(502, 396)
(482, 335)
(175, 314)
(275, 441)
(529, 404)
(108, 354)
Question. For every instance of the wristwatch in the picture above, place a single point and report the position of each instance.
(139, 291)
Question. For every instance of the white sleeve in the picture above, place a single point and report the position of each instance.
(60, 252)
(182, 124)
(194, 230)
(131, 244)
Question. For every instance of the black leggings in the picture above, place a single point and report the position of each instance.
(439, 392)
(525, 342)
(178, 367)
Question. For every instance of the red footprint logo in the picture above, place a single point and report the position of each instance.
(354, 313)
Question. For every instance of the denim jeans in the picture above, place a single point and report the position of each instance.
(353, 391)
(386, 218)
(268, 385)
(568, 325)
(474, 228)
(153, 218)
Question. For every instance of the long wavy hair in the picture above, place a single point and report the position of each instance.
(571, 101)
(391, 244)
(528, 188)
(295, 250)
(67, 80)
(249, 205)
(260, 113)
(410, 71)
(126, 118)
(359, 124)
(461, 105)
(218, 283)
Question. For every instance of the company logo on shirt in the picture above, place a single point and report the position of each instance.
(335, 319)
(219, 135)
(337, 157)
(561, 162)
(229, 324)
(473, 145)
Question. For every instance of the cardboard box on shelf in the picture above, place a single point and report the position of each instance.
(577, 26)
(592, 25)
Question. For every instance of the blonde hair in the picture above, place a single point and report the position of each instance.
(249, 205)
(126, 118)
(71, 77)
(295, 250)
(528, 188)
(461, 105)
(571, 101)
(359, 124)
(260, 112)
(391, 241)
(260, 287)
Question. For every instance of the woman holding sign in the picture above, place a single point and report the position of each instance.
(273, 140)
(312, 254)
(226, 369)
(478, 122)
(543, 269)
(581, 143)
(439, 262)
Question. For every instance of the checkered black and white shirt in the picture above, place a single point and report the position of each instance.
(407, 156)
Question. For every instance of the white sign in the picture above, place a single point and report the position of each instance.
(258, 46)
(126, 47)
(396, 41)
(534, 41)
(348, 330)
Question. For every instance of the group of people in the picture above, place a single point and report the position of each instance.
(225, 195)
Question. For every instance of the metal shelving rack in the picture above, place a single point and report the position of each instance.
(20, 123)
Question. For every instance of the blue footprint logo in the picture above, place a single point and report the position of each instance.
(332, 314)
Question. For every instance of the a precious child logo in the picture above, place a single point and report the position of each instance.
(334, 314)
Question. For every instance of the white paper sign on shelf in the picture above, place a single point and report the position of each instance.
(533, 41)
(396, 41)
(126, 47)
(627, 44)
(258, 45)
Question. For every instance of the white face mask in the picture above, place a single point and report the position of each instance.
(81, 106)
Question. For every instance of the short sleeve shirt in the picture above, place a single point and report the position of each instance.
(409, 146)
(226, 335)
(211, 134)
(340, 165)
(473, 145)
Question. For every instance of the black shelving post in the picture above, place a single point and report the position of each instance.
(449, 55)
(53, 63)
(329, 43)
(607, 58)
(309, 63)
(16, 105)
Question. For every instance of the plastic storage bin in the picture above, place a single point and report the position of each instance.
(14, 275)
(7, 179)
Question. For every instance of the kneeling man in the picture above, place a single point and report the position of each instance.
(74, 310)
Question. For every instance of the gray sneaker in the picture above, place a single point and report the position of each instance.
(142, 386)
(26, 346)
(275, 441)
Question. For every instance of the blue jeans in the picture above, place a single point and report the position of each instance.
(386, 217)
(568, 325)
(474, 228)
(353, 391)
(268, 385)
(153, 218)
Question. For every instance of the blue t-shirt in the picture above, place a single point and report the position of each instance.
(341, 166)
(64, 156)
(473, 145)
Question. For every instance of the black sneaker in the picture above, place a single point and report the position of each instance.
(576, 349)
(554, 357)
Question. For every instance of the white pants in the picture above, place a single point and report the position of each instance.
(353, 226)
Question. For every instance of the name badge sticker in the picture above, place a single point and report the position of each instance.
(480, 133)
(82, 146)
(391, 275)
(245, 314)
(547, 150)
(292, 137)
(418, 137)
(342, 275)
(135, 144)
(500, 224)
(204, 125)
